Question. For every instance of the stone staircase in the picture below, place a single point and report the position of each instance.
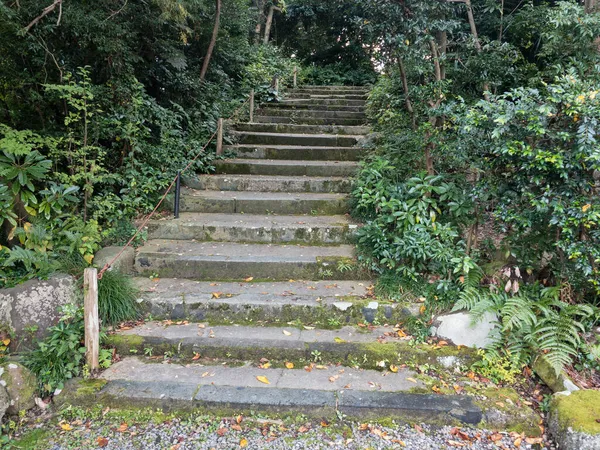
(257, 300)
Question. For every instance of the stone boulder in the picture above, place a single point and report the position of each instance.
(124, 263)
(20, 384)
(460, 329)
(35, 305)
(574, 420)
(557, 382)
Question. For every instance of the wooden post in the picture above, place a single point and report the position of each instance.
(252, 106)
(276, 84)
(295, 77)
(220, 137)
(92, 323)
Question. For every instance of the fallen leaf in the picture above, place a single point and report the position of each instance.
(363, 427)
(201, 325)
(216, 295)
(333, 379)
(456, 443)
(495, 437)
(442, 343)
(532, 441)
(249, 279)
(339, 340)
(517, 442)
(422, 309)
(436, 389)
(419, 428)
(102, 442)
(321, 367)
(244, 443)
(399, 442)
(236, 427)
(196, 357)
(221, 431)
(458, 389)
(122, 428)
(239, 419)
(287, 333)
(500, 404)
(6, 342)
(412, 380)
(289, 365)
(303, 429)
(263, 379)
(66, 426)
(393, 368)
(324, 423)
(265, 365)
(308, 328)
(401, 333)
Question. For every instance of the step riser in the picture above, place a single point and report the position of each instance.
(313, 96)
(216, 269)
(223, 183)
(267, 206)
(234, 400)
(309, 121)
(320, 91)
(311, 114)
(298, 154)
(330, 352)
(314, 140)
(289, 170)
(263, 235)
(300, 129)
(324, 101)
(312, 107)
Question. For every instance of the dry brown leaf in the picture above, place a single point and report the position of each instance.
(123, 428)
(303, 429)
(221, 431)
(216, 295)
(287, 333)
(436, 389)
(500, 404)
(517, 442)
(102, 442)
(324, 423)
(289, 365)
(532, 440)
(321, 367)
(399, 442)
(495, 437)
(249, 279)
(239, 419)
(456, 443)
(419, 428)
(196, 357)
(363, 427)
(236, 427)
(263, 379)
(412, 380)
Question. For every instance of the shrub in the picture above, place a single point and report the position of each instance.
(117, 298)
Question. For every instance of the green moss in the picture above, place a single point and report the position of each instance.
(33, 440)
(90, 386)
(580, 411)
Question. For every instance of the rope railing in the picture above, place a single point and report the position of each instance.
(219, 135)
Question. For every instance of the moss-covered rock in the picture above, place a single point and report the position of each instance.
(575, 420)
(558, 382)
(20, 385)
(79, 392)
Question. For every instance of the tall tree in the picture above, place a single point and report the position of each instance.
(213, 41)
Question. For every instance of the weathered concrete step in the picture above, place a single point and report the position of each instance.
(324, 140)
(230, 261)
(287, 167)
(265, 183)
(237, 389)
(297, 152)
(323, 101)
(323, 304)
(310, 113)
(328, 90)
(263, 202)
(323, 95)
(309, 230)
(301, 128)
(317, 107)
(310, 120)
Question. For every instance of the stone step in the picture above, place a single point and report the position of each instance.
(249, 228)
(233, 390)
(273, 183)
(310, 113)
(287, 167)
(322, 304)
(297, 152)
(325, 140)
(211, 261)
(324, 95)
(245, 202)
(323, 101)
(301, 128)
(308, 106)
(328, 90)
(279, 344)
(309, 120)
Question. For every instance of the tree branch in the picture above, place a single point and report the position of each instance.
(45, 12)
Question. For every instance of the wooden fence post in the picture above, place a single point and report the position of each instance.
(91, 320)
(252, 106)
(295, 77)
(220, 137)
(276, 84)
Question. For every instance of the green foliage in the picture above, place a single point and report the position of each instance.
(534, 320)
(117, 298)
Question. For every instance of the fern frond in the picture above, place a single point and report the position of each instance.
(517, 313)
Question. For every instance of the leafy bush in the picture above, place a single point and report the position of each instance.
(117, 298)
(339, 74)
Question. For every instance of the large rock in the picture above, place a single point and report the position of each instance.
(20, 385)
(35, 305)
(557, 382)
(574, 420)
(4, 402)
(460, 329)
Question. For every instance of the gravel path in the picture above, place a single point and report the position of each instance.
(228, 434)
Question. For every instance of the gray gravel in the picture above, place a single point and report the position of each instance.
(200, 434)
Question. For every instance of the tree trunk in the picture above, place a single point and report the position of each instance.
(486, 86)
(213, 41)
(407, 100)
(590, 6)
(260, 6)
(269, 23)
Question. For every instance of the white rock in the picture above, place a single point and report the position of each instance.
(373, 305)
(343, 306)
(459, 328)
